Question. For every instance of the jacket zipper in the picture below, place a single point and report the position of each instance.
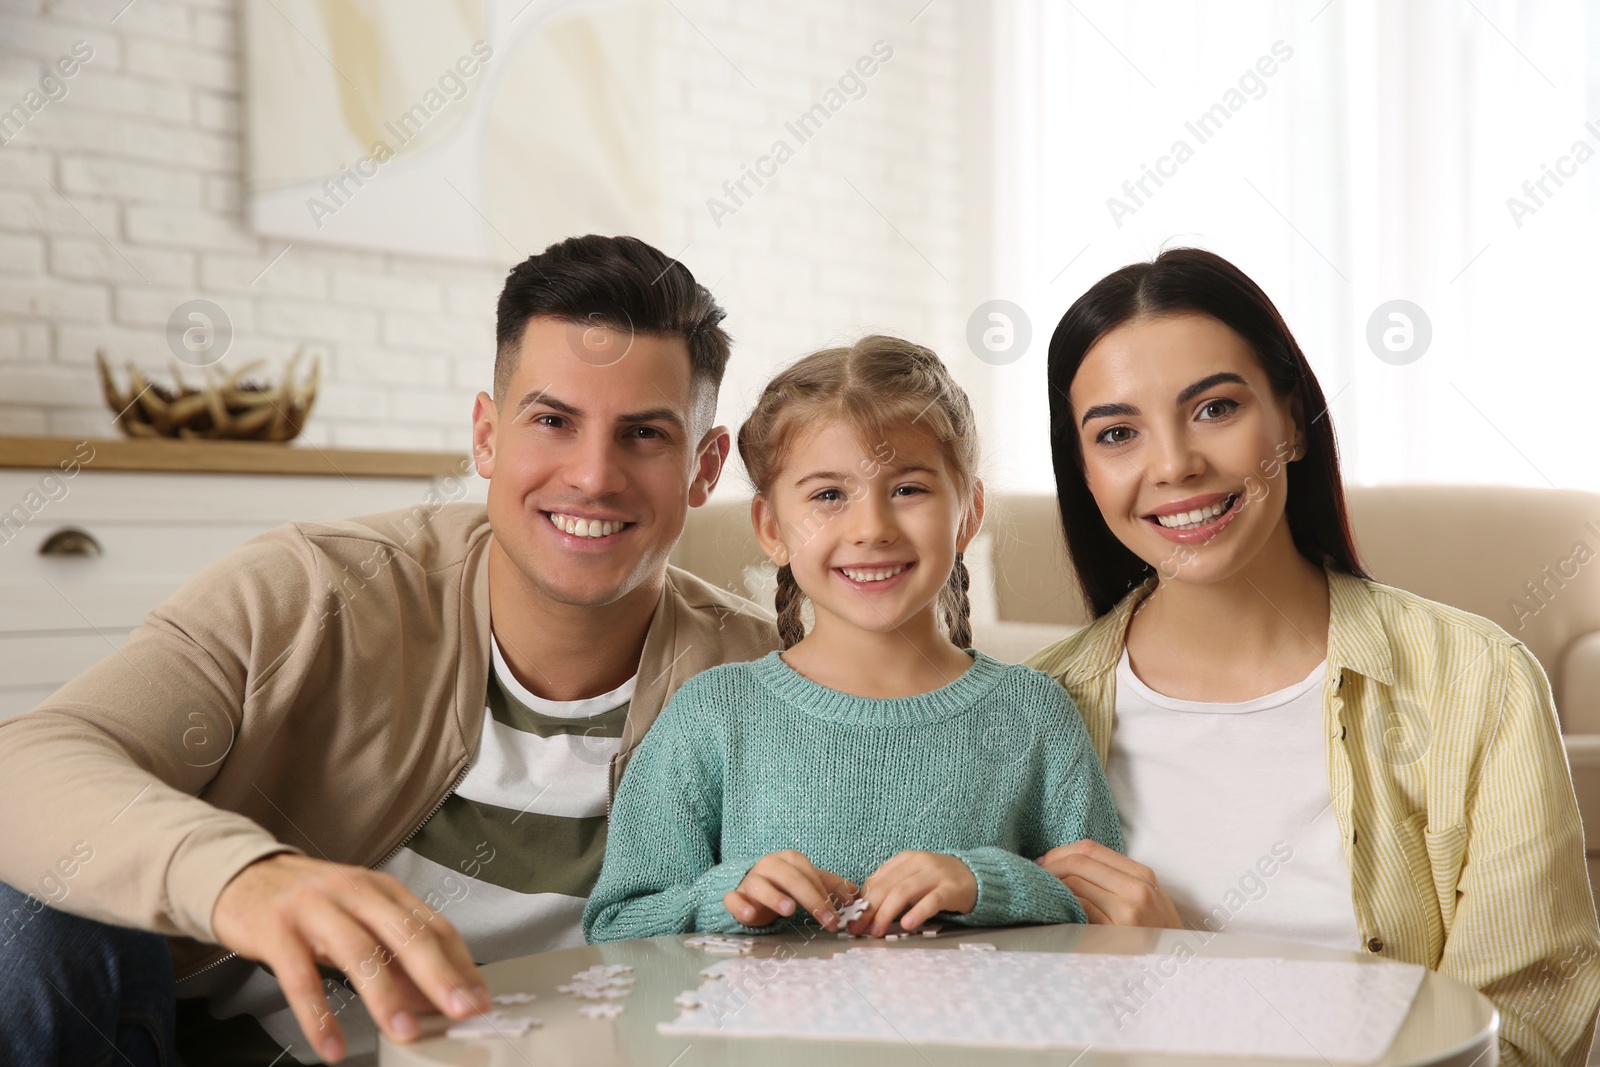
(407, 839)
(611, 784)
(403, 842)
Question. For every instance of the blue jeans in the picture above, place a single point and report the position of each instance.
(75, 991)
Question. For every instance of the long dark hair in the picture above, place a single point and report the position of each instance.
(1178, 281)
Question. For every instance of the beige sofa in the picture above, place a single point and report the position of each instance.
(1483, 549)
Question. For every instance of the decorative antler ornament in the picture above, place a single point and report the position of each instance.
(224, 408)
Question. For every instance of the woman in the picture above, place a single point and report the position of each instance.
(1297, 749)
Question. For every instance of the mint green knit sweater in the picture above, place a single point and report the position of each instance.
(995, 768)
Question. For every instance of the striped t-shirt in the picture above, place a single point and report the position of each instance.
(514, 851)
(509, 859)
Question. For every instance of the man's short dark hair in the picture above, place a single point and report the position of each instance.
(617, 282)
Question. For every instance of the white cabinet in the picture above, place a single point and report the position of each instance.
(125, 539)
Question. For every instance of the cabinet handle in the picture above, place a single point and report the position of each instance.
(71, 541)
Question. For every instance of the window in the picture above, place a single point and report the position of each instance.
(1345, 154)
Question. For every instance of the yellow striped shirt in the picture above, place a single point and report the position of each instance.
(1453, 796)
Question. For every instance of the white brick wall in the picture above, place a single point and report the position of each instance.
(123, 200)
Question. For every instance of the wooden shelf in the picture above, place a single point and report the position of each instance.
(226, 457)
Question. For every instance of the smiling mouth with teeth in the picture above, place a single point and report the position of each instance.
(576, 527)
(1193, 520)
(872, 574)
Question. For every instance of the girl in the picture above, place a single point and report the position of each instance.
(877, 749)
(1297, 749)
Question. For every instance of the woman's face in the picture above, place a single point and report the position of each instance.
(1184, 444)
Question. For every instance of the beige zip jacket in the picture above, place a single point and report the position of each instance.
(318, 690)
(1452, 794)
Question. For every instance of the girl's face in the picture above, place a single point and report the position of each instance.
(870, 532)
(1184, 444)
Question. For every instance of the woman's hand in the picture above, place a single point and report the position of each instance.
(1113, 889)
(914, 887)
(780, 882)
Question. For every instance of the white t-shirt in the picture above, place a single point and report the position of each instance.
(1229, 805)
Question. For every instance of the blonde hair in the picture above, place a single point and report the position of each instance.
(877, 385)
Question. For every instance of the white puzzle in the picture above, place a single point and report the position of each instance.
(853, 911)
(722, 944)
(1308, 1009)
(494, 1024)
(605, 985)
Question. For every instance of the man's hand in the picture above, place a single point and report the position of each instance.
(292, 913)
(778, 883)
(1113, 889)
(913, 887)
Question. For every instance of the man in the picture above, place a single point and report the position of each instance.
(415, 720)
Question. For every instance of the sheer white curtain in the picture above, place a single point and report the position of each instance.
(1345, 154)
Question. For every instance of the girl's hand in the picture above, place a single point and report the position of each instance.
(1113, 889)
(780, 882)
(914, 887)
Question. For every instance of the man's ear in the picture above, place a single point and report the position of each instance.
(972, 520)
(484, 414)
(765, 523)
(709, 465)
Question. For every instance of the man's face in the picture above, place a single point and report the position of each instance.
(593, 459)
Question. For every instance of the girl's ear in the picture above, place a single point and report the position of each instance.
(972, 518)
(764, 520)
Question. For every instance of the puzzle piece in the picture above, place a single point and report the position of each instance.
(603, 982)
(600, 1011)
(494, 1024)
(586, 993)
(854, 910)
(514, 998)
(896, 932)
(722, 944)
